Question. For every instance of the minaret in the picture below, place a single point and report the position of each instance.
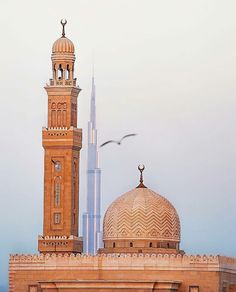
(62, 141)
(92, 238)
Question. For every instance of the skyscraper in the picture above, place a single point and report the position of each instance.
(91, 218)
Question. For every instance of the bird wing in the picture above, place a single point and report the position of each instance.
(126, 136)
(107, 142)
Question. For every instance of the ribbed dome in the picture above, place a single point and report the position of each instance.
(63, 45)
(141, 214)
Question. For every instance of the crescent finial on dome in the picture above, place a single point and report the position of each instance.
(141, 169)
(63, 45)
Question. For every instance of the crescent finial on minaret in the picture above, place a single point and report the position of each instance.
(63, 23)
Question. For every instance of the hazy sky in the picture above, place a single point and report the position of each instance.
(164, 69)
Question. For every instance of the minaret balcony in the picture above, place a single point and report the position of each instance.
(62, 137)
(60, 244)
(62, 82)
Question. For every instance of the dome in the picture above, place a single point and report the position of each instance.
(63, 45)
(141, 214)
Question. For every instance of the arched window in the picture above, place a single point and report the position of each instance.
(114, 244)
(150, 244)
(72, 72)
(131, 244)
(60, 72)
(74, 186)
(67, 77)
(59, 118)
(53, 118)
(168, 245)
(54, 71)
(57, 192)
(64, 118)
(57, 218)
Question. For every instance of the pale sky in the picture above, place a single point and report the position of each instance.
(164, 69)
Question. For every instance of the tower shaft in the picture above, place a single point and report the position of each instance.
(92, 217)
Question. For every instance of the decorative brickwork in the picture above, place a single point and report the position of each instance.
(142, 213)
(51, 270)
(129, 260)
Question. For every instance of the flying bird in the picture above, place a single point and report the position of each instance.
(117, 142)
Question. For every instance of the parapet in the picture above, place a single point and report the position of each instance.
(126, 261)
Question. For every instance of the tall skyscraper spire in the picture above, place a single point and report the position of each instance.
(91, 218)
(93, 105)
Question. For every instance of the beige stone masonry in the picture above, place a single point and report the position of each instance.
(124, 261)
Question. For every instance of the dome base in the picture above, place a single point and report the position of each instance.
(145, 250)
(141, 246)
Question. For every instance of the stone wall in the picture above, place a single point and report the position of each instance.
(207, 272)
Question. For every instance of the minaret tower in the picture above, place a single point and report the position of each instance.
(62, 141)
(92, 238)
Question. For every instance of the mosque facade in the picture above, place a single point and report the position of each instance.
(141, 229)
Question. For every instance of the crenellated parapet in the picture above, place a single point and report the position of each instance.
(27, 258)
(80, 269)
(124, 261)
(227, 263)
(111, 257)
